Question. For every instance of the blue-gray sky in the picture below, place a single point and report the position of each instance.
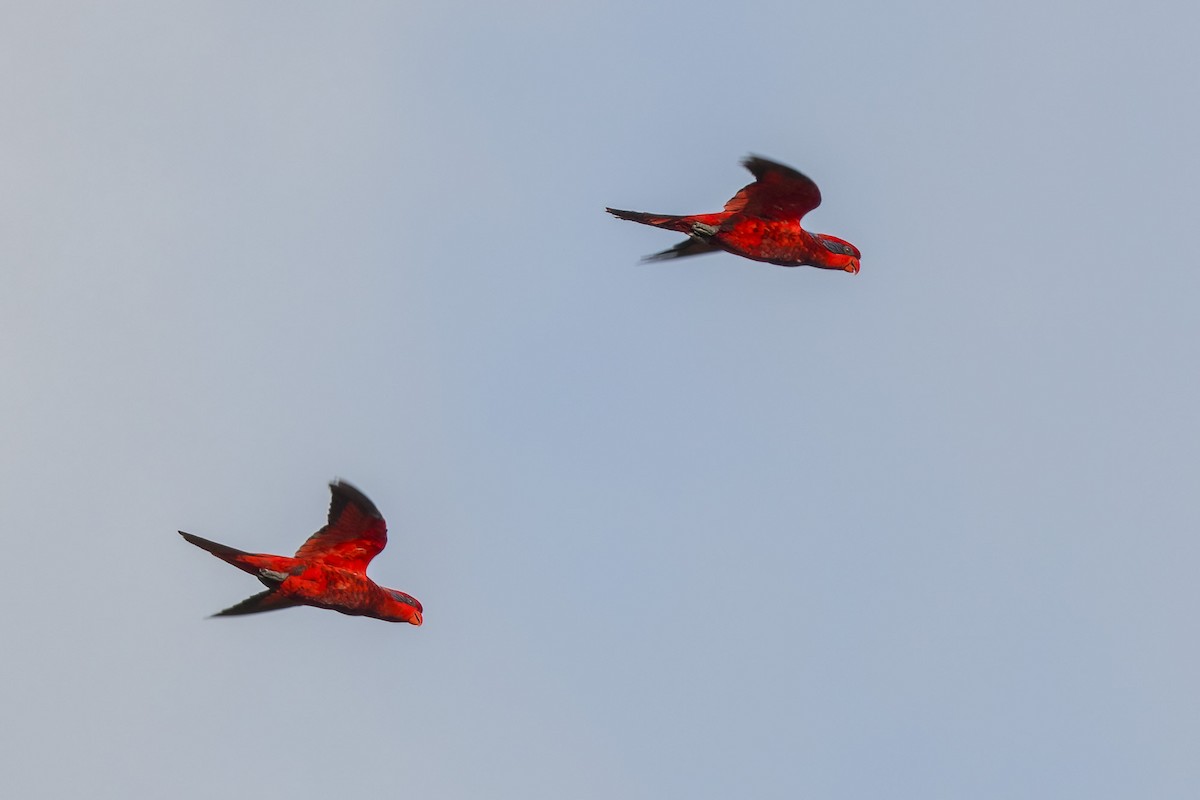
(706, 529)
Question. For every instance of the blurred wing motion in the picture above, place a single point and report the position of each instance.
(779, 192)
(356, 532)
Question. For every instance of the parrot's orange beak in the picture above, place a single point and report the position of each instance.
(417, 619)
(852, 267)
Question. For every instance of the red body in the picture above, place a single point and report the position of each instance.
(329, 570)
(760, 222)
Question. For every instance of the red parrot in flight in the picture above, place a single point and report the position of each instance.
(329, 570)
(761, 222)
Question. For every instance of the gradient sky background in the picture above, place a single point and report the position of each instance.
(709, 529)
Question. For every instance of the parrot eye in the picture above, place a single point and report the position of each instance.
(402, 597)
(834, 245)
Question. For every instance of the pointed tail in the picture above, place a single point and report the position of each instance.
(699, 228)
(671, 223)
(247, 562)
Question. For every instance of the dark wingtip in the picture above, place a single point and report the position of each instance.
(345, 493)
(688, 247)
(256, 604)
(755, 163)
(760, 165)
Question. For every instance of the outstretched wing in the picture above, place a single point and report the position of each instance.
(778, 193)
(269, 600)
(356, 532)
(688, 247)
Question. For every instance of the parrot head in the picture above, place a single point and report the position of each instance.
(404, 608)
(840, 254)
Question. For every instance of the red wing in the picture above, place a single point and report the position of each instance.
(356, 532)
(779, 192)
